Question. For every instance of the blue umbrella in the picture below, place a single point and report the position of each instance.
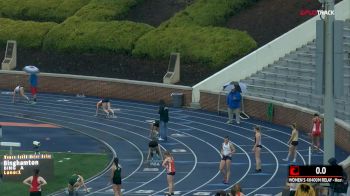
(31, 69)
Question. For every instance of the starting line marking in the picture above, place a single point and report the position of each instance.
(150, 169)
(62, 100)
(144, 191)
(178, 150)
(202, 193)
(178, 135)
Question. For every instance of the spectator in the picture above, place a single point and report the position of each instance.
(339, 189)
(292, 188)
(116, 177)
(33, 80)
(305, 190)
(163, 119)
(233, 102)
(220, 193)
(236, 190)
(35, 183)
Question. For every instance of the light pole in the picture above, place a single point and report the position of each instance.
(329, 133)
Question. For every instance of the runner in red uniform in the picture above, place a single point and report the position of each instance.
(35, 182)
(316, 132)
(169, 164)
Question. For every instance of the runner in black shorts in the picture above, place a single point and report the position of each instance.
(227, 151)
(257, 148)
(153, 146)
(116, 177)
(293, 143)
(105, 104)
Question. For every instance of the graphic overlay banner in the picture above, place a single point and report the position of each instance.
(19, 167)
(315, 174)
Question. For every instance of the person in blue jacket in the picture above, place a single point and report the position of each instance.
(233, 102)
(33, 80)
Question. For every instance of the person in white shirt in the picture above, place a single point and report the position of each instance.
(227, 151)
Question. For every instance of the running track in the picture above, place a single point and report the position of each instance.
(195, 140)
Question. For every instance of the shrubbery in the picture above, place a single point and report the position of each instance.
(40, 10)
(207, 13)
(79, 36)
(91, 26)
(27, 34)
(105, 10)
(209, 45)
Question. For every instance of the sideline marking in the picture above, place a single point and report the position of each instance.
(15, 124)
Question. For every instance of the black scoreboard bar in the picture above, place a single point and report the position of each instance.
(315, 173)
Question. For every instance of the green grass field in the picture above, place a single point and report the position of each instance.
(87, 164)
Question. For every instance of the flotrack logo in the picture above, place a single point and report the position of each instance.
(314, 12)
(306, 12)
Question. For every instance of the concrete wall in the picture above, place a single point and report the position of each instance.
(267, 54)
(94, 86)
(284, 114)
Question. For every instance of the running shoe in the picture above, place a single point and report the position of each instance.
(285, 159)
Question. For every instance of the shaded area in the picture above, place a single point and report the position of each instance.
(154, 12)
(268, 19)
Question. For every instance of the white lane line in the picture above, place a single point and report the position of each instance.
(181, 124)
(117, 128)
(142, 157)
(185, 126)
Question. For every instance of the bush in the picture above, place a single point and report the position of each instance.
(106, 10)
(40, 10)
(207, 13)
(213, 46)
(27, 33)
(79, 36)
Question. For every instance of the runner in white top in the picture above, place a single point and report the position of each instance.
(20, 91)
(227, 151)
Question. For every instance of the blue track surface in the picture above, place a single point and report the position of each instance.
(196, 137)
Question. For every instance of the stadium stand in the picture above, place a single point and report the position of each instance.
(292, 79)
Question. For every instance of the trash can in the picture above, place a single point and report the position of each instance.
(177, 99)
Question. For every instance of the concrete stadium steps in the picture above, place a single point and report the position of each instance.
(290, 71)
(280, 84)
(291, 79)
(310, 81)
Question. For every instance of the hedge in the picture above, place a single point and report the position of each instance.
(27, 33)
(79, 36)
(207, 13)
(213, 46)
(106, 10)
(40, 10)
